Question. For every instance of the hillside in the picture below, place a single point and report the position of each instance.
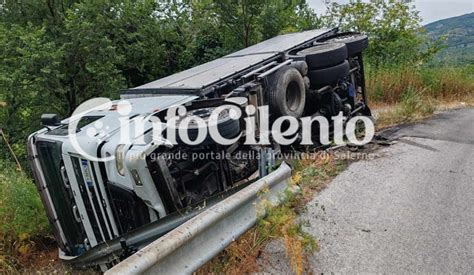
(459, 32)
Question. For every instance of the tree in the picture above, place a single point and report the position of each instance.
(206, 39)
(394, 28)
(285, 16)
(29, 80)
(306, 18)
(240, 19)
(35, 12)
(56, 54)
(247, 22)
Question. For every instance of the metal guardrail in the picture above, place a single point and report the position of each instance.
(191, 245)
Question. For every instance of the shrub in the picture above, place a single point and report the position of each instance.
(22, 216)
(394, 29)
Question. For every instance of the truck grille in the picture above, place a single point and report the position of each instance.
(94, 203)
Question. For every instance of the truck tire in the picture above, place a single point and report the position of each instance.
(307, 83)
(286, 93)
(301, 66)
(228, 127)
(325, 76)
(324, 55)
(355, 42)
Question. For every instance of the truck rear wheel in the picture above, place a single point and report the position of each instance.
(326, 76)
(324, 55)
(355, 42)
(287, 94)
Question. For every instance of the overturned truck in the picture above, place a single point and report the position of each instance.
(104, 203)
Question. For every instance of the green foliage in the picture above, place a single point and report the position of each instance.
(56, 54)
(205, 38)
(284, 16)
(411, 103)
(29, 79)
(393, 27)
(34, 12)
(245, 22)
(22, 216)
(240, 19)
(21, 211)
(281, 222)
(94, 48)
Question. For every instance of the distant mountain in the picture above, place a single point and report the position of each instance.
(459, 32)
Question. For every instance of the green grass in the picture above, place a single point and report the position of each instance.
(409, 93)
(412, 102)
(22, 216)
(389, 85)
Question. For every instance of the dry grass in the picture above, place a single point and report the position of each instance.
(388, 116)
(408, 94)
(389, 85)
(311, 173)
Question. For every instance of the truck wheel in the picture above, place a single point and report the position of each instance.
(324, 55)
(325, 76)
(307, 83)
(355, 42)
(286, 94)
(301, 66)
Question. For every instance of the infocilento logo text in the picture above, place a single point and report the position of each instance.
(194, 126)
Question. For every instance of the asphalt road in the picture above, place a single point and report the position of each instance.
(410, 210)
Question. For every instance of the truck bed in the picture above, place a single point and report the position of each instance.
(199, 80)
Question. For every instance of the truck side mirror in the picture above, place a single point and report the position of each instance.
(50, 120)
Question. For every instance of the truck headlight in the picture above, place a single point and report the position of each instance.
(120, 159)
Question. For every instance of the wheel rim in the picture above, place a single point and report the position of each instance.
(293, 96)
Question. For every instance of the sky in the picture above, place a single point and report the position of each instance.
(430, 10)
